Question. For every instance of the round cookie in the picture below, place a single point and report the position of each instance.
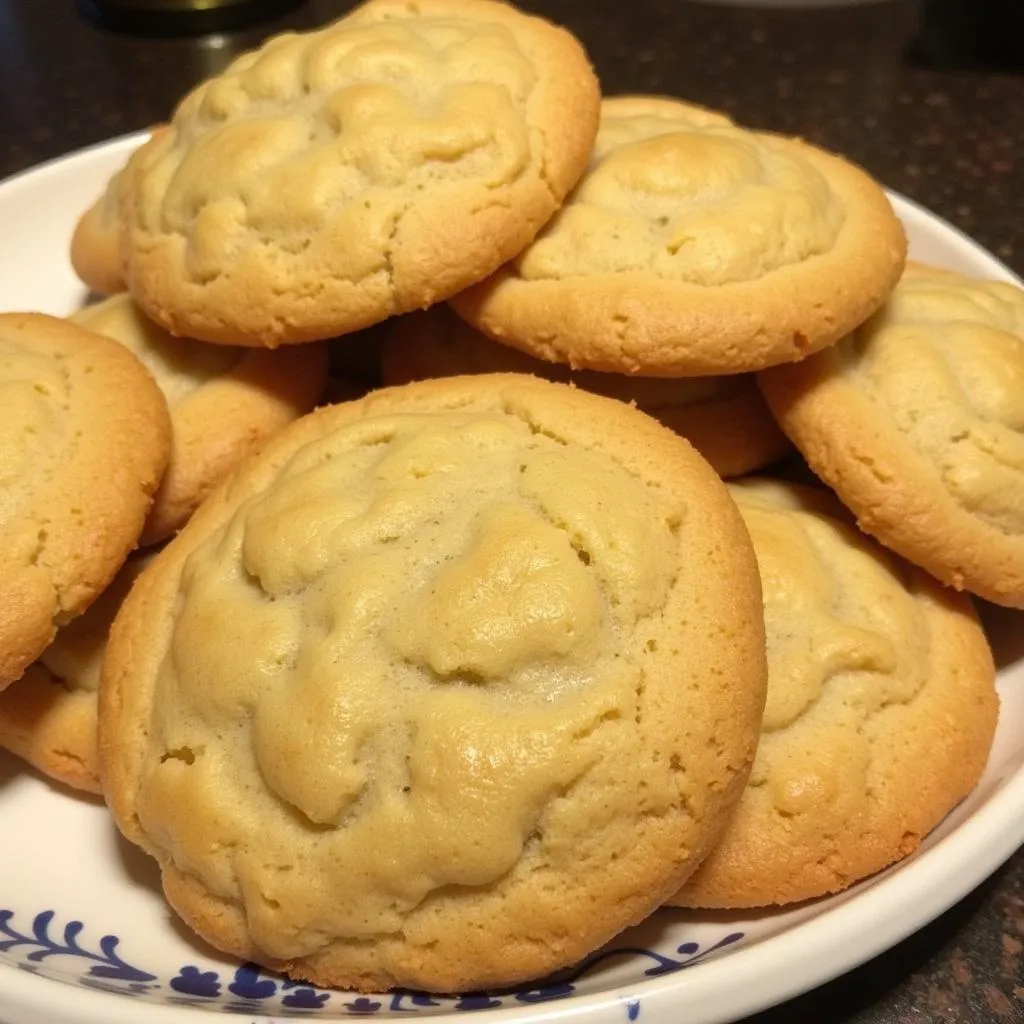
(224, 402)
(48, 717)
(95, 246)
(724, 418)
(693, 246)
(916, 421)
(84, 439)
(873, 670)
(442, 690)
(95, 243)
(333, 178)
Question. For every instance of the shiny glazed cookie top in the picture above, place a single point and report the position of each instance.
(320, 142)
(388, 667)
(179, 365)
(684, 194)
(845, 639)
(945, 361)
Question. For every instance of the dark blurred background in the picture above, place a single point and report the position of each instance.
(926, 94)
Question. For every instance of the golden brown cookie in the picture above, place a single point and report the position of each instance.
(224, 402)
(693, 246)
(95, 248)
(431, 661)
(95, 244)
(84, 439)
(724, 418)
(334, 178)
(880, 715)
(48, 717)
(916, 421)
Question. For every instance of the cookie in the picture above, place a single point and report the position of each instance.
(916, 421)
(95, 243)
(48, 717)
(724, 418)
(95, 249)
(443, 689)
(331, 179)
(874, 669)
(224, 402)
(84, 439)
(693, 246)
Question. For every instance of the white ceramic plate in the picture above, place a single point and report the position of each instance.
(85, 937)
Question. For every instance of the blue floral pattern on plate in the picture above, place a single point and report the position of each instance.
(38, 946)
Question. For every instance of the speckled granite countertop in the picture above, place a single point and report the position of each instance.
(844, 77)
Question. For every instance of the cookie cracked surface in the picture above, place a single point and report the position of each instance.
(84, 439)
(431, 662)
(916, 421)
(331, 179)
(694, 246)
(880, 714)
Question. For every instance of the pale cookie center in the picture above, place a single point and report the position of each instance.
(34, 412)
(949, 369)
(312, 149)
(703, 204)
(845, 641)
(179, 365)
(421, 629)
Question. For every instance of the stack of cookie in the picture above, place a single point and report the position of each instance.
(445, 685)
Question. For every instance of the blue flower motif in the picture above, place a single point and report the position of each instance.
(102, 968)
(105, 964)
(362, 1005)
(306, 998)
(249, 984)
(416, 999)
(694, 954)
(191, 981)
(545, 992)
(476, 1001)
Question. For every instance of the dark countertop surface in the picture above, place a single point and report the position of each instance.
(910, 104)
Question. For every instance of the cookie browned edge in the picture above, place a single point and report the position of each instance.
(955, 712)
(634, 322)
(91, 511)
(96, 240)
(733, 631)
(735, 433)
(95, 244)
(894, 492)
(227, 418)
(450, 239)
(52, 728)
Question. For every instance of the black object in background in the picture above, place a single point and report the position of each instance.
(182, 17)
(970, 35)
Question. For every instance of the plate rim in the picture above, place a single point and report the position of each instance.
(725, 988)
